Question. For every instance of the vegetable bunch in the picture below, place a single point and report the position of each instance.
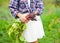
(17, 29)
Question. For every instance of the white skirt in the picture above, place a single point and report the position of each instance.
(34, 30)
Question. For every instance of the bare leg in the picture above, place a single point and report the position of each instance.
(33, 42)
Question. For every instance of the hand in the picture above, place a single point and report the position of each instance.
(33, 15)
(22, 17)
(30, 16)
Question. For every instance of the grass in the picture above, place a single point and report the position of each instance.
(50, 19)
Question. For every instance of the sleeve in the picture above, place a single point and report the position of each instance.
(13, 6)
(39, 7)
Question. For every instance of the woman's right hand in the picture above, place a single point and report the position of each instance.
(22, 18)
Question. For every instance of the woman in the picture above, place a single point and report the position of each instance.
(20, 9)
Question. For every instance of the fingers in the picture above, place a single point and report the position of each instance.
(24, 20)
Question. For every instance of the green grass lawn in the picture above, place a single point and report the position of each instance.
(50, 19)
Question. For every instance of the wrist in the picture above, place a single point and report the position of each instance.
(19, 15)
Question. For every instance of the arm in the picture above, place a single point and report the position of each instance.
(13, 6)
(39, 7)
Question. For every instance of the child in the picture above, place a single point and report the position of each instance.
(21, 9)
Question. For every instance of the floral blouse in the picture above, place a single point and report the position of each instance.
(22, 6)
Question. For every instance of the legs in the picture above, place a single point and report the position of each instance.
(33, 42)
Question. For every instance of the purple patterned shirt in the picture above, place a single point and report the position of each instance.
(21, 6)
